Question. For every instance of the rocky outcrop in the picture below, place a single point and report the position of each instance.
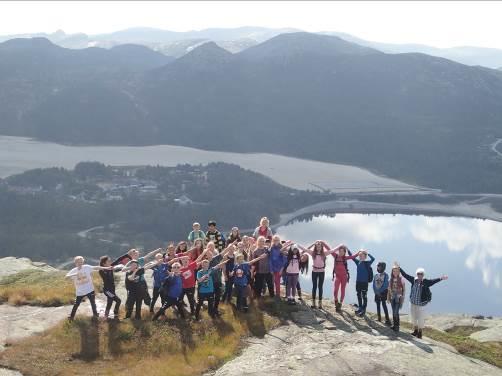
(326, 343)
(13, 265)
(492, 325)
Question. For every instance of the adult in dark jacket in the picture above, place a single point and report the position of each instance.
(420, 296)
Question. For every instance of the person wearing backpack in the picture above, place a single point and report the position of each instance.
(420, 296)
(340, 272)
(364, 276)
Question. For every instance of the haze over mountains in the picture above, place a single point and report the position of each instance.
(234, 40)
(415, 117)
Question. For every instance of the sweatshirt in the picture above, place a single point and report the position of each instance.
(276, 258)
(381, 283)
(362, 269)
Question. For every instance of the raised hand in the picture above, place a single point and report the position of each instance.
(444, 277)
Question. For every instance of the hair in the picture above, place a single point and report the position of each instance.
(196, 224)
(261, 238)
(205, 261)
(420, 270)
(159, 255)
(316, 245)
(239, 256)
(178, 247)
(103, 259)
(264, 221)
(291, 254)
(304, 265)
(78, 258)
(131, 251)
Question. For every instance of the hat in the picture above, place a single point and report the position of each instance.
(396, 266)
(211, 223)
(420, 270)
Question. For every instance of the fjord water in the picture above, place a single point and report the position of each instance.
(469, 251)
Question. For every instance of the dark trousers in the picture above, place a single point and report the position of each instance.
(157, 292)
(169, 302)
(92, 299)
(134, 298)
(317, 283)
(362, 295)
(260, 280)
(110, 298)
(227, 295)
(382, 300)
(395, 305)
(241, 297)
(146, 296)
(209, 296)
(217, 295)
(190, 294)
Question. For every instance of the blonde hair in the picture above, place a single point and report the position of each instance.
(78, 258)
(264, 221)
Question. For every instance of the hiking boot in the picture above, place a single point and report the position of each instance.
(338, 307)
(414, 333)
(388, 323)
(313, 306)
(395, 328)
(419, 334)
(379, 318)
(320, 304)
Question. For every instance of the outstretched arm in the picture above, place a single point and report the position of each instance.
(153, 253)
(431, 282)
(257, 259)
(220, 264)
(408, 277)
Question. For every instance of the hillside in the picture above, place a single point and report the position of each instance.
(273, 337)
(414, 117)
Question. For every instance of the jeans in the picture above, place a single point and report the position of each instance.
(382, 300)
(317, 283)
(209, 296)
(241, 297)
(291, 285)
(362, 295)
(110, 298)
(227, 295)
(157, 291)
(134, 297)
(260, 280)
(170, 301)
(190, 293)
(92, 299)
(217, 295)
(395, 303)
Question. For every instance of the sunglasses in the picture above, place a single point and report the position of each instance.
(420, 273)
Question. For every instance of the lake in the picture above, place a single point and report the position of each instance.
(468, 250)
(18, 154)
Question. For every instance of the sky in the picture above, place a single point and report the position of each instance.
(435, 23)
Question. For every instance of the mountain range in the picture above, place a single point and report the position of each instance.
(411, 116)
(176, 44)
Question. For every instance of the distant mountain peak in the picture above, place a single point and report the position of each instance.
(206, 53)
(28, 43)
(303, 43)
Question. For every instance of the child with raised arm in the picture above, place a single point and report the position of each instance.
(292, 270)
(173, 286)
(229, 280)
(109, 286)
(420, 296)
(318, 251)
(242, 274)
(277, 261)
(340, 272)
(135, 287)
(206, 287)
(381, 290)
(363, 278)
(263, 276)
(81, 275)
(160, 271)
(395, 295)
(188, 271)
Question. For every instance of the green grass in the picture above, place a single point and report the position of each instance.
(171, 347)
(39, 288)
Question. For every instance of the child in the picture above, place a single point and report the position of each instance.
(319, 252)
(206, 287)
(420, 296)
(340, 272)
(362, 279)
(263, 275)
(234, 236)
(214, 259)
(82, 278)
(380, 288)
(181, 247)
(196, 233)
(263, 229)
(213, 235)
(395, 295)
(241, 274)
(188, 270)
(277, 261)
(304, 269)
(159, 275)
(292, 270)
(109, 287)
(173, 286)
(229, 280)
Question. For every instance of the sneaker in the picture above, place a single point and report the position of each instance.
(419, 334)
(414, 333)
(388, 323)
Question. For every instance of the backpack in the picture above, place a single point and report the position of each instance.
(370, 271)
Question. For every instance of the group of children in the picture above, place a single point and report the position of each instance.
(215, 269)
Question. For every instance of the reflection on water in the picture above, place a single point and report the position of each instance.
(468, 250)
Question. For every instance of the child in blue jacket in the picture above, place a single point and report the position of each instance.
(364, 276)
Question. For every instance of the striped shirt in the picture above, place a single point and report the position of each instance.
(416, 294)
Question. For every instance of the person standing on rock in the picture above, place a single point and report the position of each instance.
(263, 276)
(109, 287)
(213, 235)
(364, 276)
(420, 296)
(318, 251)
(263, 229)
(340, 272)
(395, 295)
(81, 275)
(381, 290)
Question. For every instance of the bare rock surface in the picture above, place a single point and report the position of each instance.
(13, 265)
(326, 343)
